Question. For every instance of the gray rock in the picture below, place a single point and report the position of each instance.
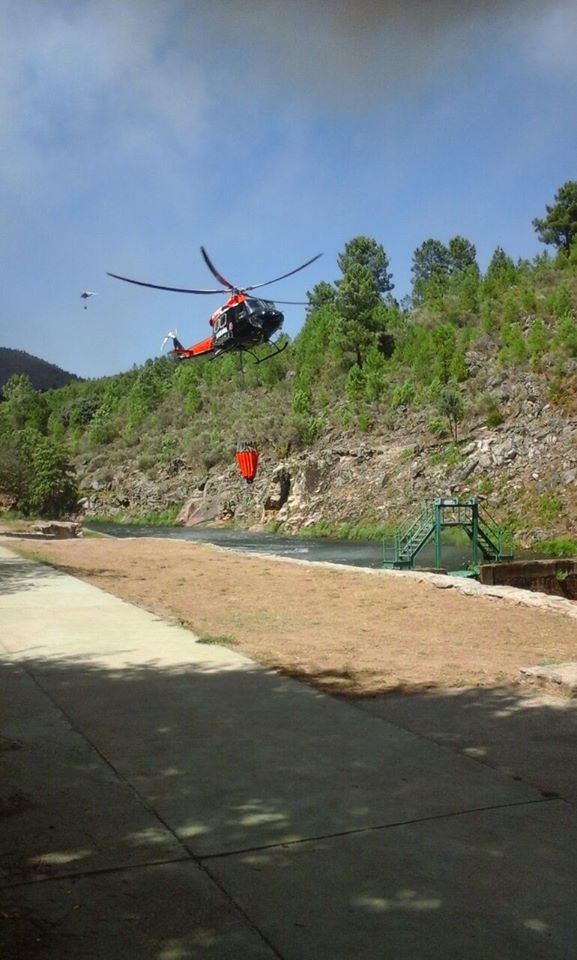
(58, 529)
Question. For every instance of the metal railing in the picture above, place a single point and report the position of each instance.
(485, 534)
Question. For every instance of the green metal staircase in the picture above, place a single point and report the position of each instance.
(487, 539)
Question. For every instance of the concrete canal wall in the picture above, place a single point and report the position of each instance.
(555, 577)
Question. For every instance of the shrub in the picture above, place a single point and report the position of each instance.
(557, 547)
(403, 394)
(537, 340)
(514, 349)
(560, 302)
(355, 383)
(301, 403)
(364, 421)
(565, 336)
(452, 406)
(494, 418)
(101, 432)
(437, 426)
(486, 486)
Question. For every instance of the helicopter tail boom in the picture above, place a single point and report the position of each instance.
(202, 348)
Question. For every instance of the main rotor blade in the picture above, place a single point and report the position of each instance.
(156, 286)
(215, 272)
(276, 279)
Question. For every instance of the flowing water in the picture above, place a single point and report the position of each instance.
(365, 553)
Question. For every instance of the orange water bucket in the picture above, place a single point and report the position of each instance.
(246, 457)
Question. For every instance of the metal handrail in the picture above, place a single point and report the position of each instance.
(410, 538)
(406, 543)
(426, 511)
(496, 530)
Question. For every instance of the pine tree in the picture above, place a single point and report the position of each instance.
(559, 226)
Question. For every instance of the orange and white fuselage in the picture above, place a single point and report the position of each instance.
(240, 323)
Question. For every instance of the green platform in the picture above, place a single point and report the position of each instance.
(488, 541)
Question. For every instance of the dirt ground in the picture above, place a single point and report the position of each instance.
(351, 632)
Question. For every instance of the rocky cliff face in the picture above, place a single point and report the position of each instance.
(526, 468)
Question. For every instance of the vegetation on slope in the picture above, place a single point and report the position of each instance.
(361, 362)
(42, 375)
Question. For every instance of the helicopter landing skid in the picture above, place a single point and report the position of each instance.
(229, 349)
(269, 356)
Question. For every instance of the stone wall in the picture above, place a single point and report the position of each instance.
(555, 577)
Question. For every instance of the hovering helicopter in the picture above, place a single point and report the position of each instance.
(85, 295)
(243, 322)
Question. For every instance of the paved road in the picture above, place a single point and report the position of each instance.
(164, 799)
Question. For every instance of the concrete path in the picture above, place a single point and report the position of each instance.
(165, 799)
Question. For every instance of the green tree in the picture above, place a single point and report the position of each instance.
(560, 302)
(370, 254)
(462, 255)
(23, 405)
(403, 394)
(537, 340)
(466, 286)
(53, 491)
(431, 265)
(14, 469)
(374, 371)
(358, 304)
(81, 411)
(565, 337)
(444, 346)
(102, 426)
(501, 271)
(452, 406)
(355, 383)
(321, 294)
(35, 470)
(514, 349)
(148, 389)
(559, 226)
(319, 347)
(511, 306)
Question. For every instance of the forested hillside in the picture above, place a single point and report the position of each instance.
(467, 387)
(42, 375)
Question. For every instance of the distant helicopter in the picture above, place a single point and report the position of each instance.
(85, 295)
(241, 323)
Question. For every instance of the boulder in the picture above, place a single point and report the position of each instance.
(204, 510)
(59, 529)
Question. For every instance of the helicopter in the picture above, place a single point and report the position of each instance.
(85, 295)
(240, 324)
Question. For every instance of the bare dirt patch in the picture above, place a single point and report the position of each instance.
(345, 631)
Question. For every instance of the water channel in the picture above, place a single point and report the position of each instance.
(358, 553)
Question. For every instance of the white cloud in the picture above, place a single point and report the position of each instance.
(95, 82)
(90, 84)
(551, 40)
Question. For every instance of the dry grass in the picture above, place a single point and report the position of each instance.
(347, 631)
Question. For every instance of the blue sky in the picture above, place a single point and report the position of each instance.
(267, 131)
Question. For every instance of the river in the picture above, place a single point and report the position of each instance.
(358, 553)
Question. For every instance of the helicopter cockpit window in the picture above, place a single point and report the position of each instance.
(258, 306)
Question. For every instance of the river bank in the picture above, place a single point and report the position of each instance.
(352, 632)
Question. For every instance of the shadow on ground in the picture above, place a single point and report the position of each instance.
(525, 734)
(78, 886)
(169, 809)
(21, 575)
